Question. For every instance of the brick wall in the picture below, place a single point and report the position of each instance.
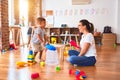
(4, 23)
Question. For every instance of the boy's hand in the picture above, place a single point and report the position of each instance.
(43, 45)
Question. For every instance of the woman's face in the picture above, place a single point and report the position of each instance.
(81, 27)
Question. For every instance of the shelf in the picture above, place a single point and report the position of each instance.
(60, 33)
(69, 35)
(66, 35)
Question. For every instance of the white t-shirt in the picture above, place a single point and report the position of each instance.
(37, 31)
(88, 39)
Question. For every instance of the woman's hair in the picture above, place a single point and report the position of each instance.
(89, 26)
(40, 19)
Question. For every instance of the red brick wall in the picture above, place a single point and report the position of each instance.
(4, 23)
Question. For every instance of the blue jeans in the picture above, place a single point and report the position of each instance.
(81, 60)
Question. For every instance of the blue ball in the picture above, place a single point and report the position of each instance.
(77, 72)
(31, 52)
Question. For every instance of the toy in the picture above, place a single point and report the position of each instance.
(73, 44)
(77, 72)
(58, 68)
(72, 47)
(3, 51)
(71, 72)
(50, 47)
(42, 63)
(12, 45)
(6, 49)
(79, 78)
(66, 51)
(51, 57)
(80, 75)
(53, 40)
(29, 64)
(30, 58)
(21, 63)
(115, 45)
(11, 48)
(35, 75)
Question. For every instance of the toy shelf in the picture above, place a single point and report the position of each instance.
(59, 33)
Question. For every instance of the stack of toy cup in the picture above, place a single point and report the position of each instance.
(30, 58)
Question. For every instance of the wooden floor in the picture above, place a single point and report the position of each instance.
(106, 68)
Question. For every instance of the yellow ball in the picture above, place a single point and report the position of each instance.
(42, 63)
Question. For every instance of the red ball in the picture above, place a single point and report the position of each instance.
(34, 75)
(72, 72)
(82, 73)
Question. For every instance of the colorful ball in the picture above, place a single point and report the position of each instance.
(35, 75)
(77, 72)
(42, 63)
(57, 68)
(72, 72)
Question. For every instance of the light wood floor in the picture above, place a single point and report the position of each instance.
(106, 68)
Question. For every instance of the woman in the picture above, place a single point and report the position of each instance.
(86, 56)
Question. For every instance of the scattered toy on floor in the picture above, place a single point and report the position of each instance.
(58, 68)
(35, 75)
(21, 64)
(12, 45)
(80, 75)
(30, 58)
(42, 63)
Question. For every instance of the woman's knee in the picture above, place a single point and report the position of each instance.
(73, 52)
(72, 59)
(70, 52)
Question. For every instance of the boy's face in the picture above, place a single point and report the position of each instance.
(42, 24)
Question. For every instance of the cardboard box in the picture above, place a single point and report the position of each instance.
(109, 36)
(109, 39)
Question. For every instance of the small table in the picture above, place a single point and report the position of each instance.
(61, 48)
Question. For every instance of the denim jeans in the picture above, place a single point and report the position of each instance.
(81, 60)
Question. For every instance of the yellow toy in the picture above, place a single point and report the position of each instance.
(42, 63)
(53, 40)
(81, 78)
(21, 63)
(66, 51)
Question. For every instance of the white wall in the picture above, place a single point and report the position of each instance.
(99, 12)
(118, 21)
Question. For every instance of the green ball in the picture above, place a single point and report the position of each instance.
(58, 68)
(115, 45)
(73, 47)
